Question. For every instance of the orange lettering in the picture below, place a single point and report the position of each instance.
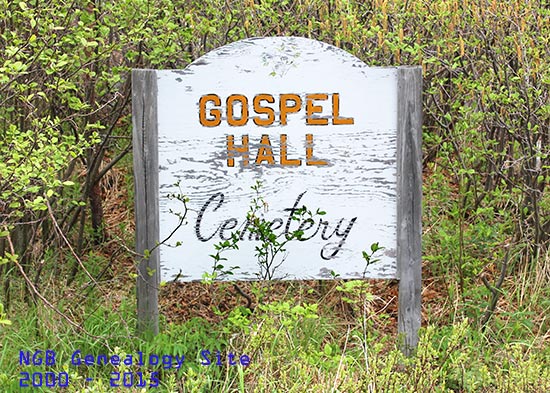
(309, 152)
(265, 152)
(214, 112)
(264, 110)
(284, 160)
(311, 109)
(244, 110)
(285, 109)
(336, 119)
(232, 149)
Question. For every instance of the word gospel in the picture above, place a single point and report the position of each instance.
(236, 113)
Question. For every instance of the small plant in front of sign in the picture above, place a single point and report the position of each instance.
(218, 269)
(369, 258)
(272, 245)
(182, 216)
(358, 293)
(271, 250)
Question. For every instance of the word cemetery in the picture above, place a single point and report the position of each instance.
(317, 128)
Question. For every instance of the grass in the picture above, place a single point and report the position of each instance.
(294, 345)
(330, 336)
(485, 164)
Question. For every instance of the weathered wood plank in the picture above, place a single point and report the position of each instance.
(145, 151)
(359, 182)
(409, 204)
(371, 183)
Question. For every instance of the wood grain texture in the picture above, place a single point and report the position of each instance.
(371, 187)
(409, 204)
(359, 182)
(145, 152)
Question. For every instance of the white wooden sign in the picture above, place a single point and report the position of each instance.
(314, 124)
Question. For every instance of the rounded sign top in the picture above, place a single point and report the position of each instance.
(313, 123)
(280, 59)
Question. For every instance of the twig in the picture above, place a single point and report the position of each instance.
(113, 162)
(243, 294)
(69, 245)
(341, 362)
(495, 291)
(46, 302)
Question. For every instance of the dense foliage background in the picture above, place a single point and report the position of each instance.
(66, 191)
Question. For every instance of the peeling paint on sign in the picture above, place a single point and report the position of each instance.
(313, 123)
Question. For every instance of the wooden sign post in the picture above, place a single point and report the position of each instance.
(317, 127)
